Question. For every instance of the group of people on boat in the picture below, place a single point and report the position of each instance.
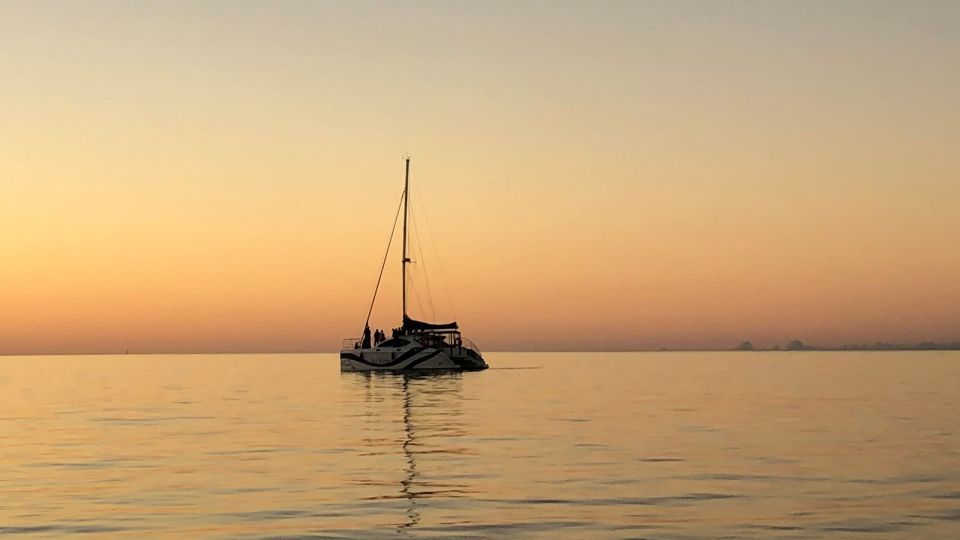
(379, 336)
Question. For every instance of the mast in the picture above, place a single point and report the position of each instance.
(405, 260)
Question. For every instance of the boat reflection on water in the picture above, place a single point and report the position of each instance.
(407, 486)
(428, 413)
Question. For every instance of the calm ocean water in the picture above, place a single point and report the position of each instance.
(573, 445)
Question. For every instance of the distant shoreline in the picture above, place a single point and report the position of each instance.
(797, 345)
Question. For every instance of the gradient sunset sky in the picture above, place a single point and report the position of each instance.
(221, 176)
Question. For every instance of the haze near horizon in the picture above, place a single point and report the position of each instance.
(221, 176)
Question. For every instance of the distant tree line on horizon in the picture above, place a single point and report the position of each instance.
(797, 345)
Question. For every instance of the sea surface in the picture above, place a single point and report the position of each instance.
(571, 445)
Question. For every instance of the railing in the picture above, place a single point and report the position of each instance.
(351, 343)
(470, 344)
(464, 342)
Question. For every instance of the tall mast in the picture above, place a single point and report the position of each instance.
(405, 260)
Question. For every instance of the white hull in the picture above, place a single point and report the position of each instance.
(412, 356)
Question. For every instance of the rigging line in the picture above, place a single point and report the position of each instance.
(423, 265)
(384, 264)
(433, 243)
(413, 289)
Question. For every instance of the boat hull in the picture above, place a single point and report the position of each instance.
(412, 359)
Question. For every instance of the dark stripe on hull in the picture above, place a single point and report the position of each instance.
(417, 362)
(398, 360)
(411, 365)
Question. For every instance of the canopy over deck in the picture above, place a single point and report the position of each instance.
(413, 325)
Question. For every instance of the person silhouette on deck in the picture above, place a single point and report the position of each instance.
(366, 337)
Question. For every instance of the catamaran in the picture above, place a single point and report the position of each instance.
(415, 345)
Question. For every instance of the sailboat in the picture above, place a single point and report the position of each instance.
(415, 346)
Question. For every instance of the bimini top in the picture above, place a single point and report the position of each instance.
(413, 325)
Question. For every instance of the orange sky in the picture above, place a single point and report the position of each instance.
(221, 176)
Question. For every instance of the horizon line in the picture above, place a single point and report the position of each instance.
(894, 348)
